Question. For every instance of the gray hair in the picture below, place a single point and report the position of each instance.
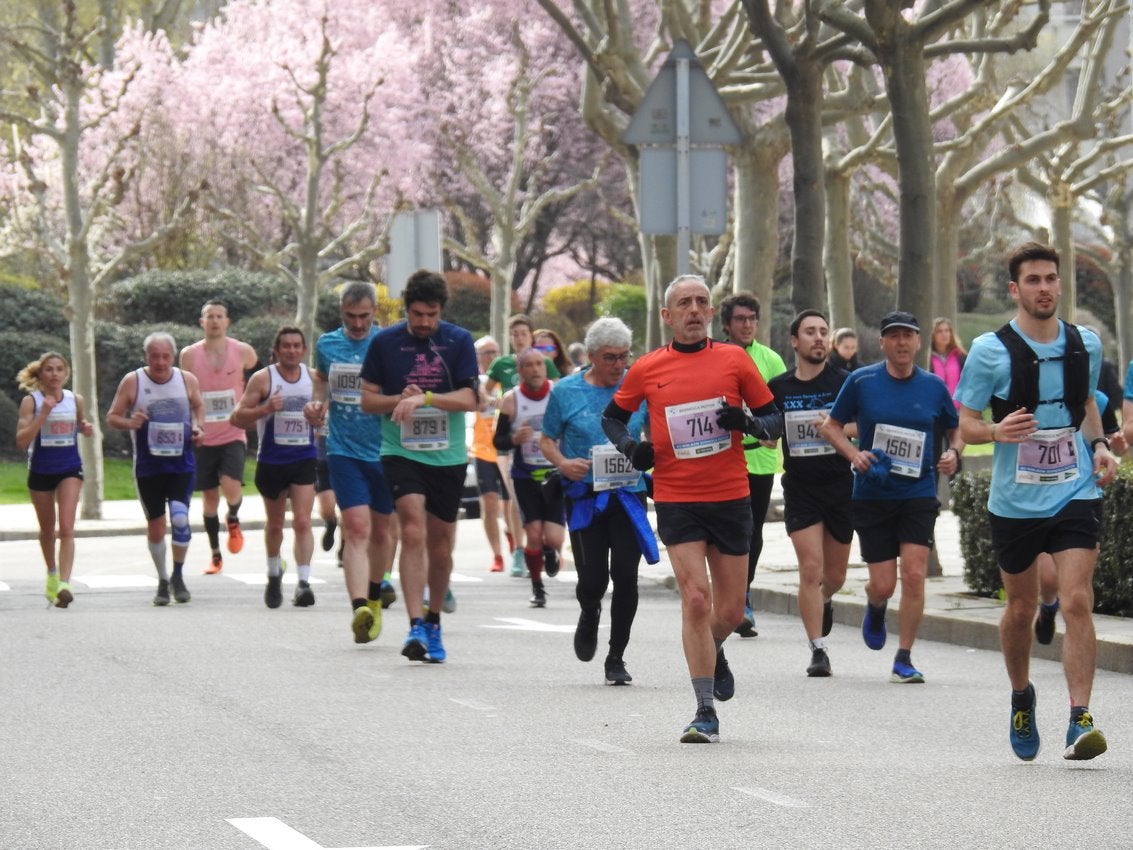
(678, 280)
(611, 332)
(357, 291)
(159, 336)
(485, 341)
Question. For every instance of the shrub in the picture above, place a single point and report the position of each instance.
(18, 348)
(568, 309)
(9, 416)
(626, 301)
(1113, 579)
(469, 301)
(23, 309)
(259, 332)
(177, 296)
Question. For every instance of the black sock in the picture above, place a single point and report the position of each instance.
(234, 509)
(1076, 712)
(177, 565)
(357, 603)
(212, 529)
(905, 655)
(375, 590)
(433, 617)
(1021, 700)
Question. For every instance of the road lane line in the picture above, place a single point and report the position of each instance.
(774, 797)
(274, 834)
(603, 747)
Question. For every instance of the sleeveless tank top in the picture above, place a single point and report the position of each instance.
(221, 390)
(164, 444)
(286, 437)
(55, 449)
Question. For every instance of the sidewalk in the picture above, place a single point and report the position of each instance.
(952, 615)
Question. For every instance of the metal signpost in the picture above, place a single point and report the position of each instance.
(681, 127)
(414, 243)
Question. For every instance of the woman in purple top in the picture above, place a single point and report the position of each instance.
(51, 418)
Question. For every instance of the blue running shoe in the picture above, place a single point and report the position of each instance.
(704, 729)
(389, 594)
(906, 674)
(873, 627)
(1083, 741)
(724, 683)
(414, 647)
(1024, 732)
(746, 628)
(436, 649)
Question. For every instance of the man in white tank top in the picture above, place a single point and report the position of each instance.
(220, 364)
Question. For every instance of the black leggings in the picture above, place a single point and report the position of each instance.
(760, 488)
(607, 549)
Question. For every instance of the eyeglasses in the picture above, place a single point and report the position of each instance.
(546, 348)
(489, 352)
(611, 359)
(749, 319)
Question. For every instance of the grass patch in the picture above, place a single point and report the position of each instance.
(117, 484)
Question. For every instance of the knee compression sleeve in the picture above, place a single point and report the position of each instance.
(179, 519)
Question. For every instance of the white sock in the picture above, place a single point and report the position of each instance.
(304, 572)
(157, 552)
(818, 643)
(275, 566)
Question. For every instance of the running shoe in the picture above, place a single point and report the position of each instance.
(550, 561)
(235, 535)
(906, 674)
(616, 673)
(704, 729)
(1024, 731)
(724, 683)
(180, 592)
(539, 597)
(746, 628)
(329, 527)
(1044, 622)
(497, 564)
(827, 617)
(273, 593)
(449, 605)
(586, 634)
(1083, 741)
(65, 597)
(304, 597)
(873, 627)
(52, 589)
(819, 666)
(366, 623)
(415, 647)
(215, 566)
(389, 595)
(518, 565)
(162, 596)
(435, 650)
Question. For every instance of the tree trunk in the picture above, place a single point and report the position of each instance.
(837, 260)
(804, 119)
(756, 201)
(947, 250)
(1061, 215)
(307, 297)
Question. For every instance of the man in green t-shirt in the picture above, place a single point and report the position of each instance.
(739, 317)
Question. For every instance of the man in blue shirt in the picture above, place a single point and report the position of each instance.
(422, 376)
(354, 446)
(1037, 373)
(899, 409)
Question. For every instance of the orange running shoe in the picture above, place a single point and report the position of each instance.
(216, 566)
(235, 536)
(497, 564)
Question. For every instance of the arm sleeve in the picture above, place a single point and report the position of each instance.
(614, 424)
(502, 438)
(766, 423)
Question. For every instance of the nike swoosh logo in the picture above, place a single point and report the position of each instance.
(662, 386)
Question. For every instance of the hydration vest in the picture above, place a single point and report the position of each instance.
(1024, 389)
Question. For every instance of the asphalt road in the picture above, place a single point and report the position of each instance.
(222, 724)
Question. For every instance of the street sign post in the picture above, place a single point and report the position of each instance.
(414, 243)
(681, 126)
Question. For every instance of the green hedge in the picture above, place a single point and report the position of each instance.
(177, 296)
(18, 348)
(1113, 576)
(31, 310)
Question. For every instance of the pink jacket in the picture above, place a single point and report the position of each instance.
(948, 368)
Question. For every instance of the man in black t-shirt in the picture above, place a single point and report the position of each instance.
(816, 481)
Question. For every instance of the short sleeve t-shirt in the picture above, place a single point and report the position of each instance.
(353, 433)
(808, 459)
(695, 459)
(987, 373)
(439, 364)
(761, 460)
(574, 418)
(903, 417)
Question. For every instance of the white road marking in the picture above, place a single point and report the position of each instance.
(603, 747)
(521, 625)
(116, 581)
(473, 704)
(261, 579)
(4, 586)
(774, 797)
(460, 578)
(274, 834)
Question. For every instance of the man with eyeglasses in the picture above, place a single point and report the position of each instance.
(695, 388)
(605, 495)
(739, 317)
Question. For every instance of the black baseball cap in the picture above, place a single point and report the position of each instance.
(899, 319)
